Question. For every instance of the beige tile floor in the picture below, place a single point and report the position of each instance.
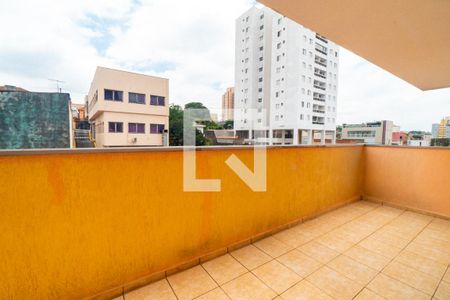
(361, 251)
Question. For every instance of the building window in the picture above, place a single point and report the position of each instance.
(112, 95)
(115, 127)
(157, 100)
(261, 69)
(136, 128)
(156, 128)
(260, 79)
(136, 98)
(301, 116)
(261, 58)
(279, 33)
(261, 27)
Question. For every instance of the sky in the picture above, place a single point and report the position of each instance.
(189, 42)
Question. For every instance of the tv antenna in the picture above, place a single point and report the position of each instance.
(58, 82)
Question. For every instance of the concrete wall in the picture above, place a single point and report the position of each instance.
(34, 120)
(64, 235)
(416, 178)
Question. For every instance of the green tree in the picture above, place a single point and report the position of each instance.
(228, 124)
(175, 125)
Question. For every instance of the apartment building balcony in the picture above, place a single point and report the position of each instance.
(70, 231)
(321, 38)
(319, 85)
(321, 49)
(320, 73)
(319, 97)
(320, 61)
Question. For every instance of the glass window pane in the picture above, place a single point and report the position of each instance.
(153, 128)
(108, 95)
(118, 95)
(161, 128)
(141, 128)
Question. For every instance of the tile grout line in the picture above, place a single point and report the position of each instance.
(355, 245)
(352, 219)
(442, 280)
(218, 285)
(250, 271)
(171, 287)
(402, 249)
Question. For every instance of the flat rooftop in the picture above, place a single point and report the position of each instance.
(361, 251)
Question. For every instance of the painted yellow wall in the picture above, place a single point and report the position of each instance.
(416, 178)
(73, 225)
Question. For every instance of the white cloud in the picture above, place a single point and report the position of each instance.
(189, 42)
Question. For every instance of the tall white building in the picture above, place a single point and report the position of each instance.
(286, 80)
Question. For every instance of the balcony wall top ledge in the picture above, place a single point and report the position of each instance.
(408, 147)
(29, 152)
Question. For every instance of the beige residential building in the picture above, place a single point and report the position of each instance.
(228, 104)
(128, 109)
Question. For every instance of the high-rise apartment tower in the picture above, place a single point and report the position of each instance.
(286, 81)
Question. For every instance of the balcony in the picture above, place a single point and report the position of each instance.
(320, 85)
(321, 49)
(320, 73)
(321, 38)
(116, 223)
(320, 61)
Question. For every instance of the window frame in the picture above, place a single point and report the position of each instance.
(136, 128)
(158, 100)
(158, 128)
(114, 99)
(136, 94)
(115, 127)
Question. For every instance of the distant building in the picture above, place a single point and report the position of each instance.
(441, 130)
(286, 80)
(223, 137)
(419, 138)
(228, 104)
(128, 109)
(399, 138)
(30, 120)
(379, 132)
